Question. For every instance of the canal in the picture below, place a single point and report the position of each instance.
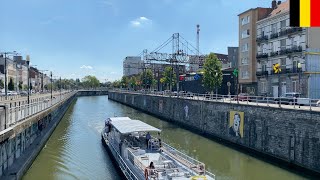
(74, 151)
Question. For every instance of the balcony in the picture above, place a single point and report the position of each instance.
(262, 39)
(262, 73)
(274, 35)
(288, 70)
(262, 55)
(296, 49)
(272, 54)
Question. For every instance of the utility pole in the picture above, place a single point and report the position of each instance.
(28, 64)
(51, 84)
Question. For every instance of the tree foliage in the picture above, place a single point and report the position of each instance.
(147, 78)
(1, 84)
(212, 68)
(169, 77)
(90, 82)
(11, 85)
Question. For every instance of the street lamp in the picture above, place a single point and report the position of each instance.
(51, 84)
(300, 70)
(5, 70)
(28, 64)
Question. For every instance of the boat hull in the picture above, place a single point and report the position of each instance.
(113, 159)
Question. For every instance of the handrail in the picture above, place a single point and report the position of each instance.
(122, 162)
(263, 101)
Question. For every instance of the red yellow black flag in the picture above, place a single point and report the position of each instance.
(305, 13)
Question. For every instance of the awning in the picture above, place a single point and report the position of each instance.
(129, 126)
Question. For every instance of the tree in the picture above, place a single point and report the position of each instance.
(169, 77)
(90, 82)
(212, 76)
(147, 78)
(11, 85)
(20, 85)
(1, 84)
(125, 81)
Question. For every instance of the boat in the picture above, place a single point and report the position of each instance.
(139, 153)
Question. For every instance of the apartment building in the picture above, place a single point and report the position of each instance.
(132, 65)
(233, 56)
(278, 43)
(247, 48)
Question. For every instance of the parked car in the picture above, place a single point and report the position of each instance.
(288, 98)
(242, 97)
(23, 93)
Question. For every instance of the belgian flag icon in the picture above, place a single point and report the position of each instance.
(305, 13)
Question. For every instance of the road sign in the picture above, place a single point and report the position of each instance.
(235, 72)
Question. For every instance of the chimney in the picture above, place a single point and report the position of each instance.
(279, 2)
(274, 4)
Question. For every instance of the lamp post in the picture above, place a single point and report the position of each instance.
(5, 70)
(300, 70)
(28, 64)
(51, 84)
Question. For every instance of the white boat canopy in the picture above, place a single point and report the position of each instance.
(126, 126)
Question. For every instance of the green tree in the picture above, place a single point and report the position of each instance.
(90, 82)
(147, 78)
(20, 85)
(124, 82)
(1, 84)
(25, 87)
(212, 76)
(11, 85)
(169, 77)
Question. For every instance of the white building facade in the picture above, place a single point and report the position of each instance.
(278, 43)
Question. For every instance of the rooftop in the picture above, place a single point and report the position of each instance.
(126, 126)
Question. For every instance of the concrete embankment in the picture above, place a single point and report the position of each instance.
(21, 143)
(288, 137)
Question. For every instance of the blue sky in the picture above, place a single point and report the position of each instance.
(74, 38)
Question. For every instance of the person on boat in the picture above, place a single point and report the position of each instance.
(148, 137)
(148, 169)
(108, 125)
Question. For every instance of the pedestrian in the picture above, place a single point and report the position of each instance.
(148, 137)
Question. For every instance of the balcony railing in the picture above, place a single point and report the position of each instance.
(288, 70)
(290, 31)
(262, 55)
(274, 35)
(262, 73)
(272, 54)
(262, 38)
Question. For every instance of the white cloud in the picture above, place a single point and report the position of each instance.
(140, 21)
(86, 67)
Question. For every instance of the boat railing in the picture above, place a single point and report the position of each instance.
(125, 169)
(136, 161)
(192, 163)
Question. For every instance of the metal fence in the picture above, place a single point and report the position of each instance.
(262, 101)
(13, 113)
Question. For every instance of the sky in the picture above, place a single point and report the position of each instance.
(75, 38)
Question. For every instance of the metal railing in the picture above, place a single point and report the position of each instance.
(18, 112)
(262, 101)
(122, 164)
(186, 158)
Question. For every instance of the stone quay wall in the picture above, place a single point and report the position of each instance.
(21, 143)
(288, 137)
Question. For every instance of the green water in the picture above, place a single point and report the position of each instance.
(74, 150)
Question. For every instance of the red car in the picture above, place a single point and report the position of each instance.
(242, 97)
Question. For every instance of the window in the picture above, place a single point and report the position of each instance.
(283, 63)
(244, 74)
(274, 28)
(245, 47)
(283, 24)
(294, 86)
(263, 87)
(264, 67)
(244, 60)
(245, 33)
(245, 20)
(283, 44)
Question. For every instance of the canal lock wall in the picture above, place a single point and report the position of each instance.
(21, 143)
(288, 137)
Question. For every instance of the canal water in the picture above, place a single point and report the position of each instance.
(74, 151)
